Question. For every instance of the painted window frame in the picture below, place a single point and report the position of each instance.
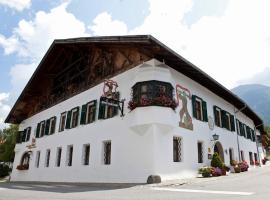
(74, 111)
(62, 122)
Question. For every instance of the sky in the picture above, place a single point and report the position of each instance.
(228, 39)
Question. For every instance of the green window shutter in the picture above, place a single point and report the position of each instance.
(215, 116)
(78, 117)
(232, 123)
(68, 120)
(47, 126)
(204, 110)
(223, 119)
(28, 133)
(194, 106)
(242, 133)
(101, 112)
(54, 125)
(83, 114)
(37, 130)
(95, 110)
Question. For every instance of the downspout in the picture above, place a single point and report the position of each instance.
(237, 137)
(257, 143)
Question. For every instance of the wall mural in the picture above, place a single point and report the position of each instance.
(110, 101)
(183, 95)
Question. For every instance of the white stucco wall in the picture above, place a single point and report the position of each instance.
(142, 140)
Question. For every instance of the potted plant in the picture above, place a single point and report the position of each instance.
(243, 166)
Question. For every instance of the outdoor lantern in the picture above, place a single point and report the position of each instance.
(215, 137)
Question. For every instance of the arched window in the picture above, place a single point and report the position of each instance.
(24, 164)
(152, 93)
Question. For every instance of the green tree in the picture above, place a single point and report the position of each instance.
(216, 161)
(8, 137)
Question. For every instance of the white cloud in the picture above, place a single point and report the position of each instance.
(18, 5)
(105, 25)
(259, 78)
(4, 108)
(230, 47)
(32, 38)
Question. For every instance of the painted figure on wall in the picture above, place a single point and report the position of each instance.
(183, 95)
(109, 89)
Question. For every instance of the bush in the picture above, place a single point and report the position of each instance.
(243, 166)
(4, 170)
(237, 169)
(216, 161)
(205, 171)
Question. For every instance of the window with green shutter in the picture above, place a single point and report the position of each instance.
(232, 123)
(83, 114)
(108, 108)
(62, 121)
(68, 119)
(199, 107)
(52, 125)
(37, 130)
(28, 133)
(217, 116)
(47, 127)
(91, 111)
(74, 117)
(42, 129)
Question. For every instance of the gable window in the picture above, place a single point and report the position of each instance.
(217, 115)
(58, 156)
(200, 152)
(199, 107)
(88, 114)
(107, 152)
(37, 159)
(62, 121)
(69, 155)
(86, 154)
(177, 157)
(47, 158)
(152, 93)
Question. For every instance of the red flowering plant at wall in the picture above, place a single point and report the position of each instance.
(23, 167)
(157, 101)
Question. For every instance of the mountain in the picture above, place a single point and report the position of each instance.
(257, 97)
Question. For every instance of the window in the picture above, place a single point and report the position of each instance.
(108, 108)
(227, 121)
(62, 122)
(47, 158)
(177, 149)
(231, 155)
(40, 130)
(242, 155)
(86, 154)
(88, 114)
(52, 125)
(251, 158)
(69, 155)
(152, 93)
(25, 134)
(72, 118)
(107, 152)
(19, 137)
(58, 157)
(199, 108)
(255, 157)
(200, 152)
(217, 115)
(37, 159)
(24, 164)
(238, 127)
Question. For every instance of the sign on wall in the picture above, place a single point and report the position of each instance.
(183, 96)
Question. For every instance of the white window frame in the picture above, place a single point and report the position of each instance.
(51, 125)
(47, 158)
(84, 154)
(64, 114)
(57, 155)
(71, 117)
(40, 129)
(90, 104)
(37, 161)
(229, 120)
(219, 116)
(201, 108)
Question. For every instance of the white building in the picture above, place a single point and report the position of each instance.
(74, 129)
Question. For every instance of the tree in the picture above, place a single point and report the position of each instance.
(7, 143)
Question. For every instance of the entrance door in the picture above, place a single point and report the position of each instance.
(219, 149)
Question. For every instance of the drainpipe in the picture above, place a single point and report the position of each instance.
(237, 138)
(257, 143)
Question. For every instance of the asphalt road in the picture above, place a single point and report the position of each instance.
(254, 184)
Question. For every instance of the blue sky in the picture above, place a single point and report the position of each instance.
(219, 36)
